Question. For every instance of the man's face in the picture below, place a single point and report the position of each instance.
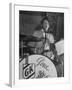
(45, 25)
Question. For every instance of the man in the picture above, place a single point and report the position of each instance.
(47, 39)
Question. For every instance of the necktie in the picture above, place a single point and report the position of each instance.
(44, 41)
(45, 37)
(47, 42)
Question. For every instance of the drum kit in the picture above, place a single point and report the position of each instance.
(31, 64)
(25, 48)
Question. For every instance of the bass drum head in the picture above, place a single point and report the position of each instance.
(38, 66)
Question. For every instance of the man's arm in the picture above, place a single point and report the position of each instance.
(51, 38)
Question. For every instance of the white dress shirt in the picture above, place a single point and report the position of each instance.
(50, 38)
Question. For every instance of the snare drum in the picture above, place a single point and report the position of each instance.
(38, 66)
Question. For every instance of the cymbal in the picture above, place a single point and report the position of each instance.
(27, 46)
(29, 38)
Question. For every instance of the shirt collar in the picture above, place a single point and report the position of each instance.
(43, 31)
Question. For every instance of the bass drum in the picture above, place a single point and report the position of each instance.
(36, 66)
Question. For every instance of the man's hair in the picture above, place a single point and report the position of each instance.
(45, 18)
(39, 27)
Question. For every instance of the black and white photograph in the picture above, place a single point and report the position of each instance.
(36, 44)
(41, 44)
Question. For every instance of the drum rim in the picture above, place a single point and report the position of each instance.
(37, 54)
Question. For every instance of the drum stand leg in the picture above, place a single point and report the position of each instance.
(26, 58)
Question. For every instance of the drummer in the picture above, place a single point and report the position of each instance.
(46, 45)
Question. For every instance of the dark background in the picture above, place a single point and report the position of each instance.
(29, 21)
